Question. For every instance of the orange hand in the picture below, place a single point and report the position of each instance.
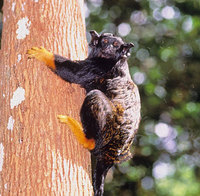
(43, 55)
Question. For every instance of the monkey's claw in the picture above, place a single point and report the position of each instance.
(62, 118)
(36, 52)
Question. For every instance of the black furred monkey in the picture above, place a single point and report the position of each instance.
(110, 113)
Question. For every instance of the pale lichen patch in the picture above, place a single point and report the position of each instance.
(23, 4)
(6, 186)
(1, 156)
(23, 28)
(11, 122)
(13, 6)
(18, 97)
(19, 57)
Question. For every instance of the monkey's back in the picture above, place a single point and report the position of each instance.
(119, 132)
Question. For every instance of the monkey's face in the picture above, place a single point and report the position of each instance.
(109, 46)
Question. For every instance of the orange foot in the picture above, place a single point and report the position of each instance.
(77, 129)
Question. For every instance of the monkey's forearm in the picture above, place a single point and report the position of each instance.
(62, 66)
(67, 69)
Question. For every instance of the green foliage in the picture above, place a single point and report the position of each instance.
(165, 63)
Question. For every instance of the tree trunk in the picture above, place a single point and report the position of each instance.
(38, 155)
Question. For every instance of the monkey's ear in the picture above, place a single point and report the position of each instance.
(95, 38)
(125, 49)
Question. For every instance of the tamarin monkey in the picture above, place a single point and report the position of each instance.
(110, 113)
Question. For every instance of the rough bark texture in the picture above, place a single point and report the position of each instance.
(38, 155)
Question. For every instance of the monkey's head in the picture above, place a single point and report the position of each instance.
(109, 46)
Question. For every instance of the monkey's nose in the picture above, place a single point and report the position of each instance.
(109, 47)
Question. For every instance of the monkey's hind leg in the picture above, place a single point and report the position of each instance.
(77, 129)
(43, 55)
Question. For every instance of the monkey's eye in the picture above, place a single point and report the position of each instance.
(105, 41)
(115, 44)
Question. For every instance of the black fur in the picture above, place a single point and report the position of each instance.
(111, 110)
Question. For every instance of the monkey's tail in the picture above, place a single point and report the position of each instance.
(99, 176)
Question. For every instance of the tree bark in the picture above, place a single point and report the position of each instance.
(38, 155)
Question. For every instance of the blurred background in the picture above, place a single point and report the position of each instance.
(165, 64)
